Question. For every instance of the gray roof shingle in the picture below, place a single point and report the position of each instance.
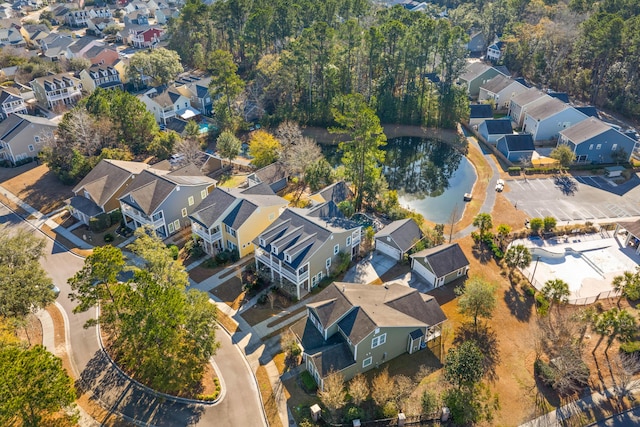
(442, 259)
(403, 234)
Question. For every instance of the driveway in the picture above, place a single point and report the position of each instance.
(583, 198)
(369, 269)
(240, 406)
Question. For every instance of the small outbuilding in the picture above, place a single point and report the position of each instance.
(493, 130)
(441, 264)
(397, 238)
(614, 171)
(517, 147)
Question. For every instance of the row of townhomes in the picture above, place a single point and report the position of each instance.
(531, 118)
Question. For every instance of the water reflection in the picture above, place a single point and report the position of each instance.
(431, 176)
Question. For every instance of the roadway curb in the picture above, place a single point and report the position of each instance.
(152, 391)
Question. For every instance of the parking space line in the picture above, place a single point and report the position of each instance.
(579, 179)
(594, 181)
(565, 217)
(586, 214)
(516, 181)
(603, 215)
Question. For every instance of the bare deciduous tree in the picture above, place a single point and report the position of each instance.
(403, 387)
(191, 152)
(271, 297)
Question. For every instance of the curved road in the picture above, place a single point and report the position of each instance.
(240, 406)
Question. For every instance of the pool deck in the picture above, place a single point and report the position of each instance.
(589, 279)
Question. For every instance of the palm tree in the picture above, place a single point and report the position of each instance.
(517, 256)
(483, 222)
(615, 323)
(503, 234)
(627, 285)
(556, 291)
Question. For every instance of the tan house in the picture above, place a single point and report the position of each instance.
(58, 89)
(98, 192)
(353, 328)
(301, 246)
(100, 76)
(231, 218)
(22, 136)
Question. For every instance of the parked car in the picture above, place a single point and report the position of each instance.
(500, 185)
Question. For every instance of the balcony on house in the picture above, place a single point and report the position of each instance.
(141, 217)
(205, 234)
(281, 268)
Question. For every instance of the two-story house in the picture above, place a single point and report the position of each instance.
(494, 51)
(102, 55)
(275, 175)
(301, 246)
(22, 136)
(501, 89)
(592, 140)
(165, 103)
(337, 192)
(58, 89)
(163, 199)
(100, 77)
(98, 192)
(55, 46)
(11, 102)
(353, 328)
(545, 120)
(77, 18)
(520, 103)
(199, 88)
(143, 37)
(232, 218)
(477, 74)
(82, 45)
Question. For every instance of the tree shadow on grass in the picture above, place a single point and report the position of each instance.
(486, 340)
(119, 395)
(519, 303)
(481, 253)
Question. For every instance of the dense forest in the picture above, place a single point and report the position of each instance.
(296, 56)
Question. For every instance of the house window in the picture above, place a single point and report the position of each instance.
(328, 263)
(287, 257)
(378, 341)
(230, 245)
(366, 362)
(460, 272)
(176, 224)
(262, 242)
(157, 216)
(590, 146)
(230, 230)
(171, 229)
(274, 250)
(31, 148)
(348, 240)
(336, 249)
(191, 201)
(599, 146)
(203, 194)
(184, 212)
(614, 147)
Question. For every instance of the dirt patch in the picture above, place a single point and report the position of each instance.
(31, 331)
(200, 274)
(230, 292)
(261, 312)
(286, 318)
(65, 219)
(39, 187)
(227, 323)
(268, 397)
(97, 239)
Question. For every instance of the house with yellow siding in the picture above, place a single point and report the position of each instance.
(232, 218)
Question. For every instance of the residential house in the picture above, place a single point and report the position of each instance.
(545, 120)
(96, 26)
(199, 88)
(137, 17)
(163, 199)
(592, 140)
(232, 219)
(398, 238)
(163, 15)
(56, 46)
(520, 103)
(478, 113)
(501, 89)
(274, 175)
(136, 5)
(477, 74)
(59, 15)
(493, 130)
(58, 89)
(11, 102)
(100, 76)
(476, 44)
(82, 45)
(165, 103)
(494, 51)
(352, 328)
(6, 12)
(99, 191)
(11, 37)
(142, 36)
(22, 136)
(102, 55)
(517, 147)
(35, 33)
(77, 18)
(301, 246)
(337, 192)
(441, 264)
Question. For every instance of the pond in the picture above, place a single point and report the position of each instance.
(431, 177)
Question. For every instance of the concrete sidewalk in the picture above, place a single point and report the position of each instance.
(37, 219)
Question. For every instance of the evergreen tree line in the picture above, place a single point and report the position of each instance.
(295, 57)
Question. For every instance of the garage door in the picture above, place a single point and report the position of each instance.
(388, 250)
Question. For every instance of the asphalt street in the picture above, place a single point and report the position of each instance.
(240, 405)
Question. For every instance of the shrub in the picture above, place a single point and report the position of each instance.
(545, 372)
(175, 251)
(549, 223)
(210, 263)
(528, 289)
(194, 248)
(308, 382)
(262, 299)
(234, 255)
(514, 170)
(100, 223)
(108, 237)
(115, 216)
(630, 347)
(354, 413)
(542, 303)
(222, 257)
(536, 224)
(389, 410)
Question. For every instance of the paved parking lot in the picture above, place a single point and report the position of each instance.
(584, 198)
